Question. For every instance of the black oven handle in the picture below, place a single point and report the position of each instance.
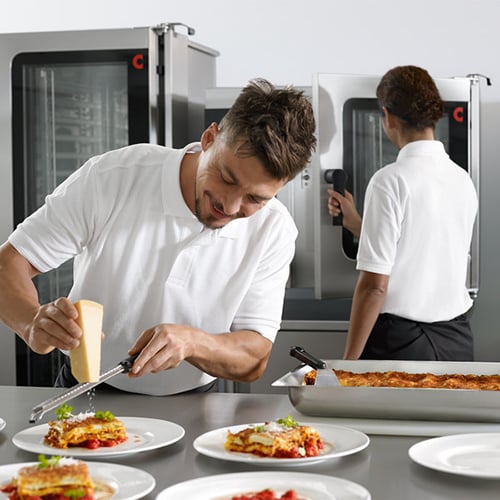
(338, 178)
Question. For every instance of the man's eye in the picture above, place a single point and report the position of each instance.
(256, 200)
(226, 180)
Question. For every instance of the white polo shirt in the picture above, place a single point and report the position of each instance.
(142, 253)
(417, 227)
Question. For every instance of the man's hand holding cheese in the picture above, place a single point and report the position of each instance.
(53, 326)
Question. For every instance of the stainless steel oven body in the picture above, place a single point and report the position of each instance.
(351, 138)
(69, 95)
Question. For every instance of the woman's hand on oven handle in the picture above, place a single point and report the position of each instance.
(338, 204)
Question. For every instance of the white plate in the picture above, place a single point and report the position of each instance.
(474, 454)
(307, 486)
(338, 441)
(2, 423)
(143, 434)
(129, 483)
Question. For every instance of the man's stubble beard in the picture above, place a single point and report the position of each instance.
(210, 221)
(197, 212)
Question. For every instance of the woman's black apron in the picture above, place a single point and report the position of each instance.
(394, 337)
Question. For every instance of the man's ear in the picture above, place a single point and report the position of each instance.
(209, 135)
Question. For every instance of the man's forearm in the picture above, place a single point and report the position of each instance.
(241, 355)
(18, 295)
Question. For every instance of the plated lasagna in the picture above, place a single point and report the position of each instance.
(51, 479)
(408, 380)
(88, 430)
(283, 438)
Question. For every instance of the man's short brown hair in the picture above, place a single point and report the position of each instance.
(276, 125)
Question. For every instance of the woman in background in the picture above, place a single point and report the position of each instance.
(410, 300)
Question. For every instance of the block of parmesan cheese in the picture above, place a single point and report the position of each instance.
(86, 358)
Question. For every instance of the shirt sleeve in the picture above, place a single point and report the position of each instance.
(60, 229)
(380, 231)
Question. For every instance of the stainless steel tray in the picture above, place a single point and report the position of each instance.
(396, 403)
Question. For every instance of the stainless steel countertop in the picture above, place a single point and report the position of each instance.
(384, 468)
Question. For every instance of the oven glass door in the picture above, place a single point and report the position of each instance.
(367, 148)
(68, 106)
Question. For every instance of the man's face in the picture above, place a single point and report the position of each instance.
(229, 187)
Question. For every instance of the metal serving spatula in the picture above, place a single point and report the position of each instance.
(123, 367)
(324, 376)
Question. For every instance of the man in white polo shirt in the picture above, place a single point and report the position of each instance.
(188, 250)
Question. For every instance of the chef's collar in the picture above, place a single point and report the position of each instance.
(420, 148)
(173, 201)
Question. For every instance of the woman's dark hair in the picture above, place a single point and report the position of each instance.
(276, 125)
(409, 93)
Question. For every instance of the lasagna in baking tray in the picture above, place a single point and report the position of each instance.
(283, 438)
(50, 479)
(87, 430)
(399, 389)
(409, 380)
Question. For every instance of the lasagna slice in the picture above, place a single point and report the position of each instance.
(283, 438)
(88, 430)
(52, 478)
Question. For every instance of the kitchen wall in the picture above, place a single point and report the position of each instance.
(287, 41)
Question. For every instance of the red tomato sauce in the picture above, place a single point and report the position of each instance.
(312, 449)
(92, 444)
(268, 494)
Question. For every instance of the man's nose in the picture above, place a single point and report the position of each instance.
(232, 204)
